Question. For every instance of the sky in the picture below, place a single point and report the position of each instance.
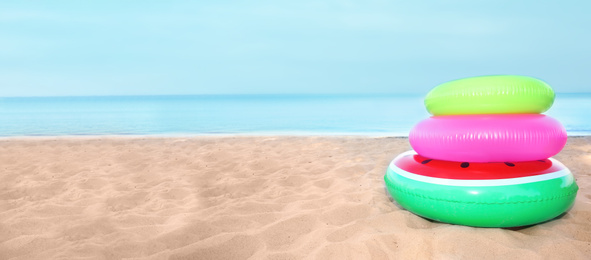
(73, 48)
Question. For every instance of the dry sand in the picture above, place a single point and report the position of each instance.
(245, 197)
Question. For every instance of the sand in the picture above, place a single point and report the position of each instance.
(245, 198)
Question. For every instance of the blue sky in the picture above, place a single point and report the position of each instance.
(50, 48)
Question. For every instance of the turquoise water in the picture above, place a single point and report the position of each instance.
(240, 114)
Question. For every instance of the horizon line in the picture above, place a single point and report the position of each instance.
(246, 94)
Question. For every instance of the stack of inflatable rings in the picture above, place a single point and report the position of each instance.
(482, 159)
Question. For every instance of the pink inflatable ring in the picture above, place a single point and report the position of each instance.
(488, 138)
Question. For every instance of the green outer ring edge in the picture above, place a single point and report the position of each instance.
(524, 204)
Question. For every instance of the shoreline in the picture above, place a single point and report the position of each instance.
(230, 135)
(193, 136)
(236, 197)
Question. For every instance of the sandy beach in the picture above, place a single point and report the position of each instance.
(245, 198)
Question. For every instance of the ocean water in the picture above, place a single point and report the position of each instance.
(391, 115)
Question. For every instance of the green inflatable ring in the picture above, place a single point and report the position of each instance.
(481, 194)
(502, 94)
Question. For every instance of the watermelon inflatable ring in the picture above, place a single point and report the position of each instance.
(505, 194)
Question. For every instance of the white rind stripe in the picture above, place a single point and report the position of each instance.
(475, 183)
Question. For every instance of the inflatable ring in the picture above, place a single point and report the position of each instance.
(488, 138)
(503, 94)
(481, 194)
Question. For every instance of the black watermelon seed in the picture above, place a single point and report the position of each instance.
(541, 160)
(509, 164)
(426, 161)
(464, 165)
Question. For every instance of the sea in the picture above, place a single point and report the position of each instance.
(368, 115)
